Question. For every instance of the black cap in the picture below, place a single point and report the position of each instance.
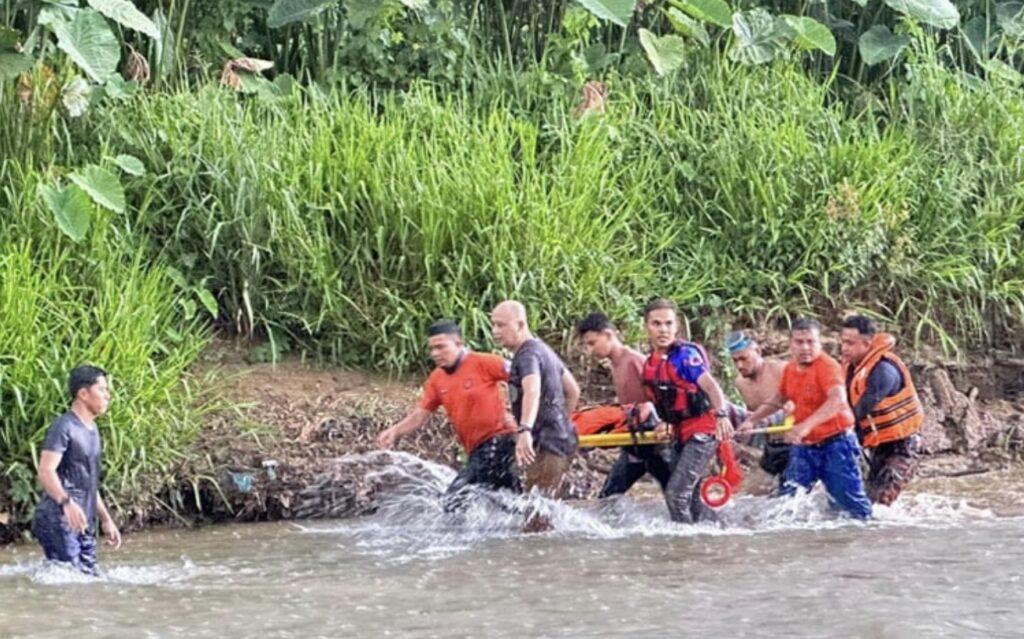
(444, 327)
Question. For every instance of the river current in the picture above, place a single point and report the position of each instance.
(930, 566)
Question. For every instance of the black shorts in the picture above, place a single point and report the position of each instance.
(775, 457)
(633, 463)
(491, 465)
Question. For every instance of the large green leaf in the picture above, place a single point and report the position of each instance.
(124, 13)
(982, 35)
(810, 34)
(713, 11)
(51, 14)
(687, 26)
(71, 209)
(8, 38)
(89, 41)
(360, 12)
(757, 39)
(878, 44)
(130, 164)
(13, 64)
(102, 186)
(618, 11)
(288, 11)
(1010, 16)
(937, 13)
(666, 52)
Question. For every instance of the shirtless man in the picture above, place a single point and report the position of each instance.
(757, 383)
(601, 340)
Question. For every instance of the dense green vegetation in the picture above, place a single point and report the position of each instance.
(427, 161)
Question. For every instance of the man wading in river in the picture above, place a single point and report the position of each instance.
(602, 341)
(69, 472)
(678, 380)
(469, 386)
(885, 405)
(758, 381)
(544, 393)
(824, 448)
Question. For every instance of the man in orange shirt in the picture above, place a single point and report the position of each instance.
(824, 446)
(469, 387)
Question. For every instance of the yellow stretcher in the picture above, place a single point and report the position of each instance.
(609, 440)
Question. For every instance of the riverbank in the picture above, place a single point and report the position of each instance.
(294, 446)
(155, 223)
(306, 460)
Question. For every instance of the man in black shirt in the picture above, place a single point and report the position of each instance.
(543, 393)
(69, 472)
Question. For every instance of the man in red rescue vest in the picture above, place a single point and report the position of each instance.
(677, 378)
(824, 448)
(885, 405)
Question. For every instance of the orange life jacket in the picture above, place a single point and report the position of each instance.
(895, 417)
(610, 418)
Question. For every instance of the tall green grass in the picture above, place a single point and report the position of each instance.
(347, 222)
(344, 222)
(107, 302)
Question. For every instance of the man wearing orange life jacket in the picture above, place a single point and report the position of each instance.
(885, 405)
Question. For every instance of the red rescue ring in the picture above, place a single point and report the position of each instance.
(710, 486)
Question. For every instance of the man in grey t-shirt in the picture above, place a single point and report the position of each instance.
(544, 393)
(69, 471)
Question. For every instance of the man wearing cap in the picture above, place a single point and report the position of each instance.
(758, 381)
(470, 387)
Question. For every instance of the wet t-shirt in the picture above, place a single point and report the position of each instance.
(472, 397)
(79, 468)
(808, 387)
(552, 431)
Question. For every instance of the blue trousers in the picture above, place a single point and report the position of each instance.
(835, 463)
(62, 544)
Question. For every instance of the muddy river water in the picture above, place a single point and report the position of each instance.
(934, 565)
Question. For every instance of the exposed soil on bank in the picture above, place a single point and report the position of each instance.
(277, 457)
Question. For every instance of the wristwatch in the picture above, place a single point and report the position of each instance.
(65, 501)
(523, 428)
(721, 412)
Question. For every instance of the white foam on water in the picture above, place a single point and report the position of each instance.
(410, 523)
(48, 573)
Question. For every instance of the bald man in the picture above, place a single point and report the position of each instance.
(544, 393)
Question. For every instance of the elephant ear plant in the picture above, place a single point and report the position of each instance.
(93, 36)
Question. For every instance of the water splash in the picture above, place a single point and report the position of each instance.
(410, 523)
(47, 573)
